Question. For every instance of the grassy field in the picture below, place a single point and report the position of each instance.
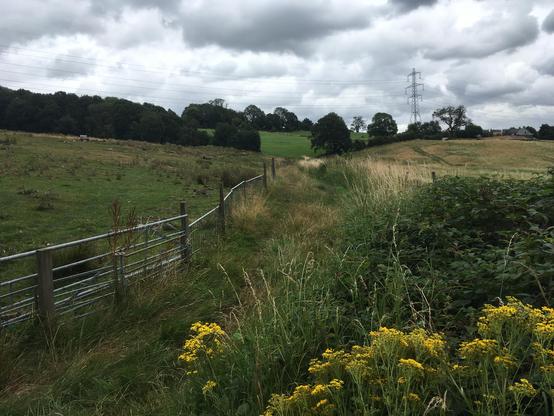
(353, 286)
(470, 156)
(290, 145)
(295, 145)
(53, 189)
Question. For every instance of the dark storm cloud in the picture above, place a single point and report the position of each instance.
(407, 5)
(267, 26)
(490, 36)
(23, 21)
(548, 24)
(482, 92)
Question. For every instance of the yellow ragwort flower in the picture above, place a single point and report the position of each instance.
(336, 384)
(478, 348)
(206, 339)
(523, 388)
(505, 361)
(209, 386)
(411, 364)
(413, 397)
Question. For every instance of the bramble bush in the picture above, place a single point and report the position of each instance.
(453, 246)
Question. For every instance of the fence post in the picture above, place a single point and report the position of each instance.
(185, 237)
(121, 264)
(433, 176)
(119, 271)
(145, 260)
(45, 288)
(221, 210)
(273, 172)
(265, 175)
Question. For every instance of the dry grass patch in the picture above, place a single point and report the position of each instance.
(247, 212)
(520, 159)
(310, 220)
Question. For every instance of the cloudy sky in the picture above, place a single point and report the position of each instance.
(311, 56)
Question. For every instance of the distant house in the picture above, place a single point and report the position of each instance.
(497, 132)
(523, 132)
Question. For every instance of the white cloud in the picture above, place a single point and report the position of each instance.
(313, 56)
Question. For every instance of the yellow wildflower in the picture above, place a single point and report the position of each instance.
(322, 403)
(323, 407)
(206, 340)
(549, 369)
(336, 384)
(387, 336)
(544, 329)
(433, 344)
(319, 389)
(523, 388)
(504, 361)
(209, 386)
(413, 397)
(411, 363)
(478, 348)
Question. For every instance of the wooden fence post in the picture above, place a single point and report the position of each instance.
(45, 289)
(273, 172)
(433, 176)
(265, 176)
(185, 236)
(221, 210)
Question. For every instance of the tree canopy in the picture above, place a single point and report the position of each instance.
(331, 135)
(427, 130)
(453, 117)
(382, 125)
(358, 123)
(546, 132)
(122, 119)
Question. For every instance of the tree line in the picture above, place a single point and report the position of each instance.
(111, 118)
(122, 119)
(331, 135)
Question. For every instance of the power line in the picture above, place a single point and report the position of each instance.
(209, 74)
(176, 101)
(156, 85)
(414, 97)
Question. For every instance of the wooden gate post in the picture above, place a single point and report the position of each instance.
(273, 172)
(221, 210)
(45, 289)
(185, 236)
(265, 175)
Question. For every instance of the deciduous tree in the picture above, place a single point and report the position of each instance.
(382, 125)
(331, 135)
(453, 117)
(358, 123)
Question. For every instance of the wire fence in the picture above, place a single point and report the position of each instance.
(77, 278)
